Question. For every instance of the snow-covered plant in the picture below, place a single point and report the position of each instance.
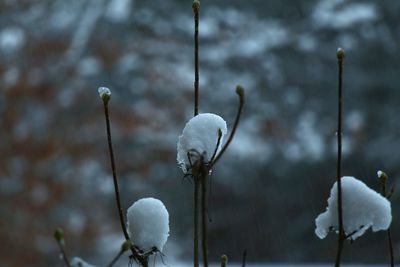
(203, 134)
(362, 208)
(148, 224)
(78, 262)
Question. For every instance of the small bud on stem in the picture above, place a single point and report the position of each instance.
(340, 54)
(196, 6)
(224, 260)
(59, 234)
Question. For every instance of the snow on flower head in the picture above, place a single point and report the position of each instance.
(78, 262)
(362, 208)
(201, 135)
(148, 224)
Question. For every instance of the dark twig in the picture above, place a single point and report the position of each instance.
(114, 260)
(196, 11)
(114, 171)
(340, 56)
(196, 220)
(244, 258)
(204, 230)
(383, 179)
(136, 255)
(63, 254)
(240, 93)
(217, 146)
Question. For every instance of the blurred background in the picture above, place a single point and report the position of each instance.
(276, 176)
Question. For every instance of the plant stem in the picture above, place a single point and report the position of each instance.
(204, 241)
(135, 254)
(341, 238)
(244, 257)
(63, 253)
(196, 221)
(114, 171)
(384, 179)
(390, 247)
(196, 11)
(240, 92)
(114, 260)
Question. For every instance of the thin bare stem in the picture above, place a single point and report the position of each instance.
(217, 146)
(196, 11)
(135, 253)
(383, 178)
(240, 92)
(114, 171)
(341, 238)
(114, 260)
(63, 253)
(204, 221)
(196, 221)
(244, 258)
(390, 247)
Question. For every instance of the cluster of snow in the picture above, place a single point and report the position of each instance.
(148, 224)
(78, 262)
(201, 135)
(362, 208)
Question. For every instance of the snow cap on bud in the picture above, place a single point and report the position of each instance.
(78, 262)
(200, 136)
(340, 53)
(148, 224)
(196, 6)
(382, 176)
(104, 93)
(59, 234)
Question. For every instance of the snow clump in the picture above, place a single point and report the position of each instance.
(78, 262)
(148, 224)
(201, 135)
(104, 92)
(362, 208)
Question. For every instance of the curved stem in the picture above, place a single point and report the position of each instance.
(235, 125)
(135, 254)
(114, 171)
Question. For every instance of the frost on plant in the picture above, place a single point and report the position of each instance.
(148, 224)
(78, 262)
(362, 208)
(201, 135)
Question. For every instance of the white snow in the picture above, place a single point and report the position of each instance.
(200, 134)
(78, 262)
(362, 208)
(104, 91)
(148, 224)
(12, 38)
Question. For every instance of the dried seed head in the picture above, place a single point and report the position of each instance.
(340, 53)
